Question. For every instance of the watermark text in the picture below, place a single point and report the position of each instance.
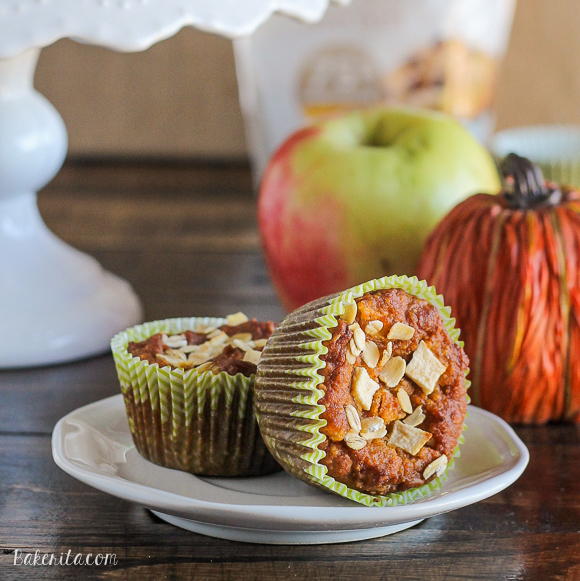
(39, 559)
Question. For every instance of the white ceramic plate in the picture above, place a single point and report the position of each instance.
(93, 444)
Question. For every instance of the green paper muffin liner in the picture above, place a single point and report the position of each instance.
(287, 392)
(198, 422)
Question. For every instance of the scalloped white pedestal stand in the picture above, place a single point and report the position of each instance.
(56, 303)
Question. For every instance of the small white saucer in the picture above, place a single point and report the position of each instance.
(93, 444)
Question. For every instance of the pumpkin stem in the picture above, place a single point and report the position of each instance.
(524, 186)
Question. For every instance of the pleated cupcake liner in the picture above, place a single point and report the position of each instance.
(287, 388)
(198, 422)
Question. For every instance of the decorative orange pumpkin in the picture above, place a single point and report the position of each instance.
(509, 266)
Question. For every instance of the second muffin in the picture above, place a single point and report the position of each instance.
(188, 390)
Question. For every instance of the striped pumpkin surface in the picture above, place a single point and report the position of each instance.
(508, 265)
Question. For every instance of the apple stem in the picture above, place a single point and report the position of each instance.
(524, 186)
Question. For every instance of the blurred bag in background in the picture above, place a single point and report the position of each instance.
(439, 54)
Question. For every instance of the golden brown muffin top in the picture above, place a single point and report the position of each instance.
(395, 394)
(234, 347)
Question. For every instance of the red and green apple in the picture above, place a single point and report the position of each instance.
(353, 198)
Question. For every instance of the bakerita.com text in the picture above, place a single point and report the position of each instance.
(68, 558)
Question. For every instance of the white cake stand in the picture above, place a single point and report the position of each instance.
(56, 303)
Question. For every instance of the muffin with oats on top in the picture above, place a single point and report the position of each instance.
(364, 393)
(188, 385)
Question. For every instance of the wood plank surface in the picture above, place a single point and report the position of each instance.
(195, 226)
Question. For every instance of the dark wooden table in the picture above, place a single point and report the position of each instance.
(195, 226)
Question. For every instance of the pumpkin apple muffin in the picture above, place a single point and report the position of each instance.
(188, 385)
(363, 393)
(394, 394)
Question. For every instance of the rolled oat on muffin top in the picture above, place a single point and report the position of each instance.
(363, 393)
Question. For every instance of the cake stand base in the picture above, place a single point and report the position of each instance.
(56, 303)
(269, 537)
